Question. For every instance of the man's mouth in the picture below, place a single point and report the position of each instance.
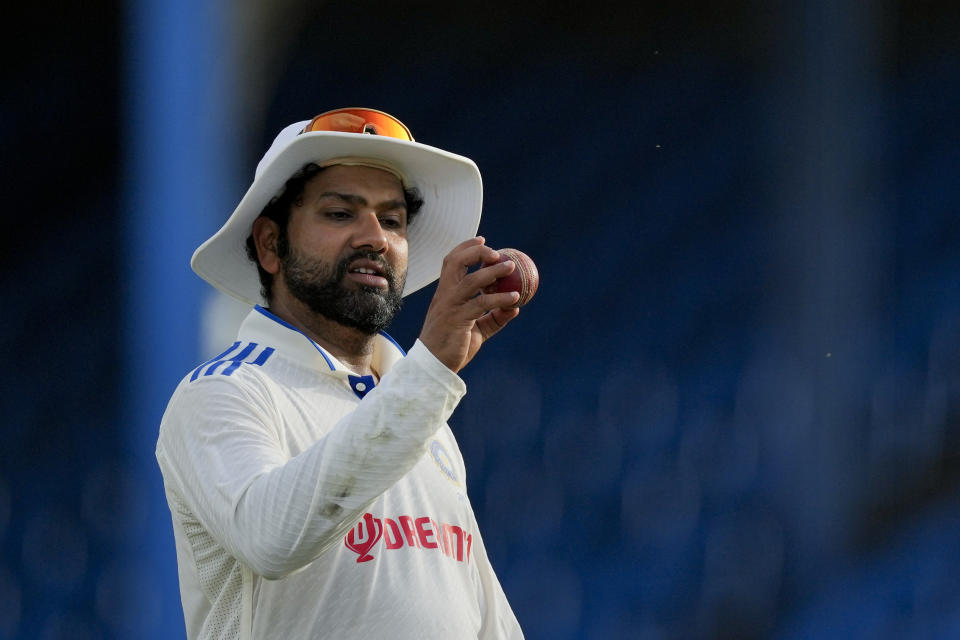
(368, 274)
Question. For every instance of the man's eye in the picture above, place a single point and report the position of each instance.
(391, 223)
(338, 214)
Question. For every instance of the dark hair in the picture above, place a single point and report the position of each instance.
(279, 208)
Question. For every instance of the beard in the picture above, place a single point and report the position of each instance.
(320, 286)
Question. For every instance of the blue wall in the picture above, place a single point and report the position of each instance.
(730, 411)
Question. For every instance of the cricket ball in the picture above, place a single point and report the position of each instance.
(524, 279)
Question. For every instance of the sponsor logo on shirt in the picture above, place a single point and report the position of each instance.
(422, 533)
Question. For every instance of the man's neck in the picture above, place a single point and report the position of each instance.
(351, 346)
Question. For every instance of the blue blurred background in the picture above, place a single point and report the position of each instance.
(731, 410)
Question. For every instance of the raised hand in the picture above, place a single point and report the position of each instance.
(461, 316)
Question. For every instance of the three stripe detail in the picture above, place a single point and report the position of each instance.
(210, 367)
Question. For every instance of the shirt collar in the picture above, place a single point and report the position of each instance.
(264, 327)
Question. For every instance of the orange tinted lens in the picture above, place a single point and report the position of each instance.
(360, 121)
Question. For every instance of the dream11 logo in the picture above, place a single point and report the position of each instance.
(416, 533)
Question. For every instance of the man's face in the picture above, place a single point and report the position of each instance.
(347, 247)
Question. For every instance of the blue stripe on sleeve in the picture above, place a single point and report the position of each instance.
(264, 355)
(234, 361)
(196, 372)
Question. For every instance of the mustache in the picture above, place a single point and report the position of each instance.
(388, 272)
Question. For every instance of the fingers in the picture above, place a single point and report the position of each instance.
(496, 320)
(455, 271)
(465, 255)
(483, 279)
(484, 303)
(462, 313)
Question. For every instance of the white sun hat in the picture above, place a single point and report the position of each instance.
(449, 184)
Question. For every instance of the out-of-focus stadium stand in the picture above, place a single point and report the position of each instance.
(731, 410)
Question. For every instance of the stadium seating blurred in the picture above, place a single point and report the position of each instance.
(731, 410)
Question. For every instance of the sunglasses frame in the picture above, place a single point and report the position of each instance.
(369, 128)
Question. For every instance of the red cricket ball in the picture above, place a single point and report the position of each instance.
(524, 279)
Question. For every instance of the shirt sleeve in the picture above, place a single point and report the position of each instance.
(218, 449)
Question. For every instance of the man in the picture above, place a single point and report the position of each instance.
(315, 489)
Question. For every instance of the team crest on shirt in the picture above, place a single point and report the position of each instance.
(443, 460)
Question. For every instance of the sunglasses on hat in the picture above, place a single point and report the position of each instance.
(360, 120)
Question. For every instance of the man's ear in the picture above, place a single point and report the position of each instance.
(266, 233)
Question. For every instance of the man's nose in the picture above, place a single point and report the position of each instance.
(369, 233)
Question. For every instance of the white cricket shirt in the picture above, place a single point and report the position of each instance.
(309, 502)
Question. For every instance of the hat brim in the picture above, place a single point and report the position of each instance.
(449, 184)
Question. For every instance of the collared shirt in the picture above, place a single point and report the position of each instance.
(310, 502)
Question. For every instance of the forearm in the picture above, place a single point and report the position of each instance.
(299, 509)
(276, 514)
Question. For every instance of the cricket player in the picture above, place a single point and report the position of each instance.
(315, 488)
